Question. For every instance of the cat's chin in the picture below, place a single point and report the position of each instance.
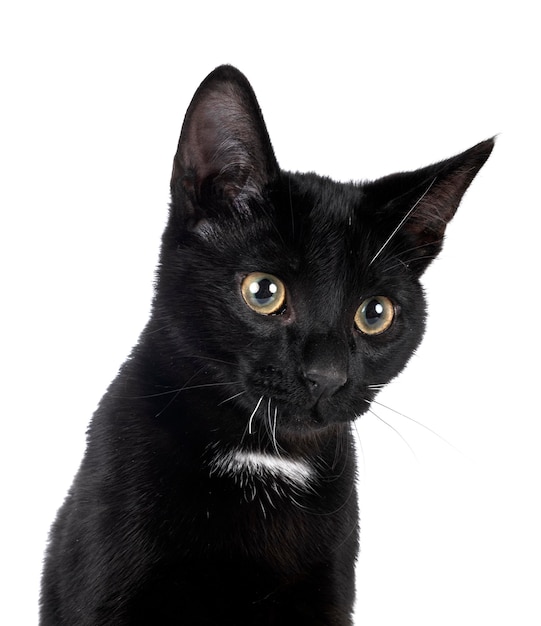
(314, 421)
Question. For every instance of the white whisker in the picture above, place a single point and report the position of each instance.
(232, 397)
(185, 388)
(208, 358)
(176, 392)
(235, 382)
(401, 223)
(252, 415)
(361, 447)
(419, 424)
(395, 430)
(274, 442)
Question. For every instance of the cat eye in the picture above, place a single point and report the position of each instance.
(375, 315)
(264, 293)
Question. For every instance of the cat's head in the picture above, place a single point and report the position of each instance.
(296, 296)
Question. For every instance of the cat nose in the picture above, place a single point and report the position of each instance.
(325, 364)
(326, 380)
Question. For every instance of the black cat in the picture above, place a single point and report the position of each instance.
(218, 484)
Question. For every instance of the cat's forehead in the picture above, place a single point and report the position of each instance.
(322, 199)
(309, 228)
(322, 220)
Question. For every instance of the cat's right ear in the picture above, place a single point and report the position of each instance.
(224, 152)
(413, 209)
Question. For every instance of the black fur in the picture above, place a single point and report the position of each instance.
(158, 528)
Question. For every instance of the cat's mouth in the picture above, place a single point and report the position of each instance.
(272, 415)
(321, 415)
(276, 401)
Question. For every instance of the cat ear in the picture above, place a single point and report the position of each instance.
(414, 208)
(224, 149)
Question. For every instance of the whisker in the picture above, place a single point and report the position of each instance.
(252, 415)
(269, 426)
(412, 260)
(234, 382)
(338, 451)
(274, 441)
(341, 435)
(232, 397)
(396, 431)
(419, 424)
(401, 223)
(179, 389)
(169, 403)
(157, 330)
(360, 446)
(176, 393)
(208, 358)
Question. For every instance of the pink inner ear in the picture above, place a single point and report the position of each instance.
(224, 141)
(439, 203)
(434, 212)
(420, 204)
(210, 141)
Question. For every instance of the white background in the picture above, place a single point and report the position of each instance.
(92, 100)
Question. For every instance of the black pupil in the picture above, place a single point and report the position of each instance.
(373, 312)
(264, 291)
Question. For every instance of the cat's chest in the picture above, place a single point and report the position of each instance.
(253, 509)
(261, 474)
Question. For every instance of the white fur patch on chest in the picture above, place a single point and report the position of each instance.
(245, 466)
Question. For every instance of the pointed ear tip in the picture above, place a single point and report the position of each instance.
(485, 147)
(226, 68)
(490, 142)
(477, 155)
(223, 74)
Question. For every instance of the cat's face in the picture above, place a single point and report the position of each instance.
(295, 296)
(288, 307)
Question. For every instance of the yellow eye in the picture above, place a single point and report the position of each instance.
(264, 293)
(375, 315)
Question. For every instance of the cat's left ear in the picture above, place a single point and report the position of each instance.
(412, 209)
(224, 149)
